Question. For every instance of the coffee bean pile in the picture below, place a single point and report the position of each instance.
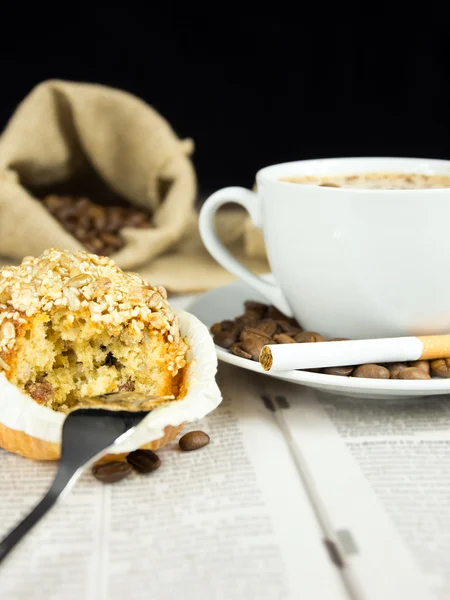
(261, 324)
(97, 227)
(144, 461)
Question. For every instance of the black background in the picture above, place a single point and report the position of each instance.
(253, 89)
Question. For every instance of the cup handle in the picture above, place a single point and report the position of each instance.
(250, 201)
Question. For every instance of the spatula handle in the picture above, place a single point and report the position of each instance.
(87, 433)
(63, 478)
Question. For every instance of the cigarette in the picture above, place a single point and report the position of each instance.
(283, 357)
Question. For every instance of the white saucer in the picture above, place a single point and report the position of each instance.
(227, 302)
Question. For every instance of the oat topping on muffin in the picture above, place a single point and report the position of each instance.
(79, 280)
(61, 311)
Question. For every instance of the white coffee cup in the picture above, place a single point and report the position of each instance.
(356, 263)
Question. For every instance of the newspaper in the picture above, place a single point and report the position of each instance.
(289, 472)
(230, 521)
(379, 471)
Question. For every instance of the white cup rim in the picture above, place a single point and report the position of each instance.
(350, 165)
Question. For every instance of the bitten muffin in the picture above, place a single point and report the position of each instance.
(75, 325)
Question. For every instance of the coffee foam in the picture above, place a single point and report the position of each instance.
(387, 181)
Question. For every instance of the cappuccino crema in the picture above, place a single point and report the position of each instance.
(376, 181)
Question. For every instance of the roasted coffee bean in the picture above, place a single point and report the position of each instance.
(112, 240)
(238, 351)
(81, 205)
(81, 233)
(230, 326)
(288, 328)
(371, 371)
(244, 326)
(97, 216)
(114, 219)
(252, 315)
(268, 326)
(53, 202)
(144, 461)
(227, 325)
(308, 337)
(258, 307)
(216, 328)
(135, 219)
(441, 367)
(95, 245)
(224, 339)
(253, 345)
(424, 365)
(275, 314)
(340, 371)
(194, 440)
(238, 327)
(395, 368)
(84, 222)
(283, 338)
(112, 471)
(246, 320)
(253, 332)
(413, 373)
(66, 200)
(66, 212)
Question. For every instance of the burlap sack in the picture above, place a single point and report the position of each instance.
(65, 131)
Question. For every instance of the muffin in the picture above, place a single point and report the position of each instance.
(74, 326)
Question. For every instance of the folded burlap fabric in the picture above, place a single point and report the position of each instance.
(74, 132)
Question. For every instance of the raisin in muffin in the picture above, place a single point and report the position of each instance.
(75, 325)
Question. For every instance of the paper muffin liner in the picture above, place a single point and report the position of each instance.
(32, 447)
(34, 431)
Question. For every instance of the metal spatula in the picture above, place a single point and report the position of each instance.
(87, 433)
